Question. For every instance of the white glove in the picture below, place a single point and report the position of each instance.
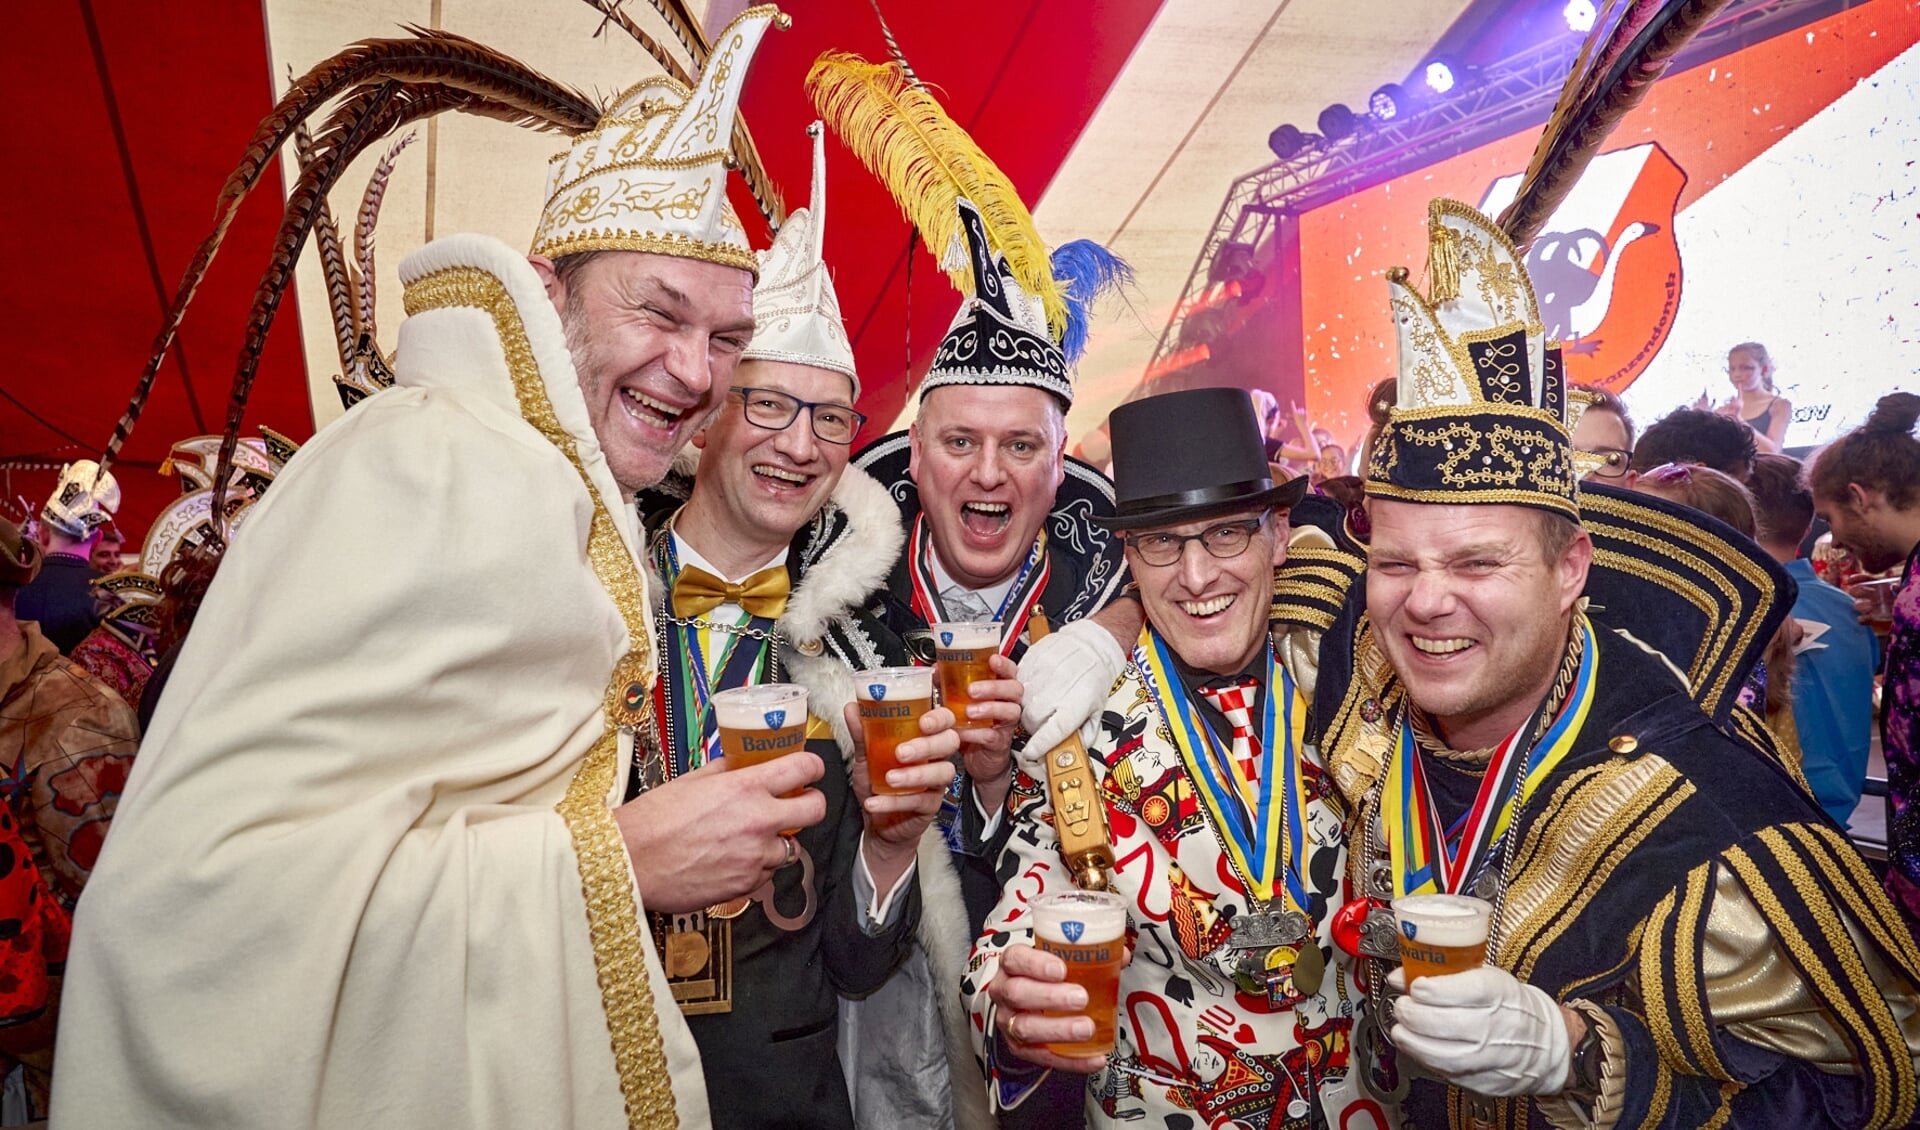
(1486, 1031)
(1066, 677)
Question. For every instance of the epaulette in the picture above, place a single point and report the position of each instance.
(1310, 587)
(1746, 726)
(1323, 563)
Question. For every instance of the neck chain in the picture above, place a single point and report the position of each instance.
(1556, 697)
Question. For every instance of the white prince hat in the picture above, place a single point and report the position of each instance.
(652, 175)
(796, 315)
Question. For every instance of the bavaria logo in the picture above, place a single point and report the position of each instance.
(878, 691)
(1409, 929)
(1073, 930)
(776, 719)
(1606, 265)
(946, 639)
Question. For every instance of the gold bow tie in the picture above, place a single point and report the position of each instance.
(697, 592)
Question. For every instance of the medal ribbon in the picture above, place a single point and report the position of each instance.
(1025, 592)
(1424, 859)
(698, 738)
(1266, 841)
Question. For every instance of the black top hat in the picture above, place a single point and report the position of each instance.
(1187, 455)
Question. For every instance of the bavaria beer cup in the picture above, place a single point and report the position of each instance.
(961, 650)
(891, 701)
(1086, 930)
(758, 724)
(1441, 934)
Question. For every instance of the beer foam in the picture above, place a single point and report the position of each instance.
(771, 706)
(886, 683)
(966, 635)
(1443, 920)
(1078, 917)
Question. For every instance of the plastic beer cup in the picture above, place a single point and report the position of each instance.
(891, 701)
(961, 650)
(1087, 930)
(1441, 934)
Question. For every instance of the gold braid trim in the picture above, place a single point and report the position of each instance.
(1593, 823)
(1877, 1031)
(1833, 855)
(1732, 630)
(606, 876)
(1686, 974)
(1725, 1111)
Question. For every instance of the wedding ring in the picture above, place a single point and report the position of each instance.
(1013, 1035)
(792, 852)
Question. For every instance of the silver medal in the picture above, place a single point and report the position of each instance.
(1266, 929)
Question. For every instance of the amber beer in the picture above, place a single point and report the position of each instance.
(960, 651)
(758, 724)
(891, 701)
(1088, 931)
(1441, 934)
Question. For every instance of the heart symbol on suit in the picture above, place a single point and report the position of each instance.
(776, 719)
(1243, 1034)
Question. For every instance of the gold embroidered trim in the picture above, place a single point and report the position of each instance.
(1470, 496)
(676, 245)
(606, 877)
(1877, 1031)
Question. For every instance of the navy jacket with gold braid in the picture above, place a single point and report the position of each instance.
(1685, 884)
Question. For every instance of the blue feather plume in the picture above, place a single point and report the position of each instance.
(1086, 272)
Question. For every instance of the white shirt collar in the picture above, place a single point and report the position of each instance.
(691, 556)
(994, 595)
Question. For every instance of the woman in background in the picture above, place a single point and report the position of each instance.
(1755, 402)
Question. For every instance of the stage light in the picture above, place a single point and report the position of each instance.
(1336, 122)
(1389, 103)
(1580, 15)
(1287, 142)
(1441, 75)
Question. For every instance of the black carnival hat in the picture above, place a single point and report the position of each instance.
(1187, 455)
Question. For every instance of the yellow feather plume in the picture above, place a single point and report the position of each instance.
(927, 161)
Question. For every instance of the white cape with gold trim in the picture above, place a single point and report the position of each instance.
(348, 884)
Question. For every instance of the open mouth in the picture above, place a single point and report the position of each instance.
(647, 410)
(780, 476)
(1202, 609)
(985, 518)
(1441, 647)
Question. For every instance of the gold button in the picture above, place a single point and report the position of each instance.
(810, 648)
(1624, 743)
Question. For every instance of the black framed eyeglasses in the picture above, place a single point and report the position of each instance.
(1225, 540)
(1618, 459)
(774, 410)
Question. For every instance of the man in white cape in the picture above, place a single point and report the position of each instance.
(368, 871)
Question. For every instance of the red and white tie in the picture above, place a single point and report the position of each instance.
(1235, 702)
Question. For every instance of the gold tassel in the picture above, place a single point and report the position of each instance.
(166, 465)
(927, 161)
(1443, 264)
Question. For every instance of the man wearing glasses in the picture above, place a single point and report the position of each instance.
(1226, 829)
(766, 565)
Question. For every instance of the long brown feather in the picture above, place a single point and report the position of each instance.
(341, 294)
(612, 10)
(359, 122)
(686, 29)
(1616, 68)
(363, 236)
(427, 57)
